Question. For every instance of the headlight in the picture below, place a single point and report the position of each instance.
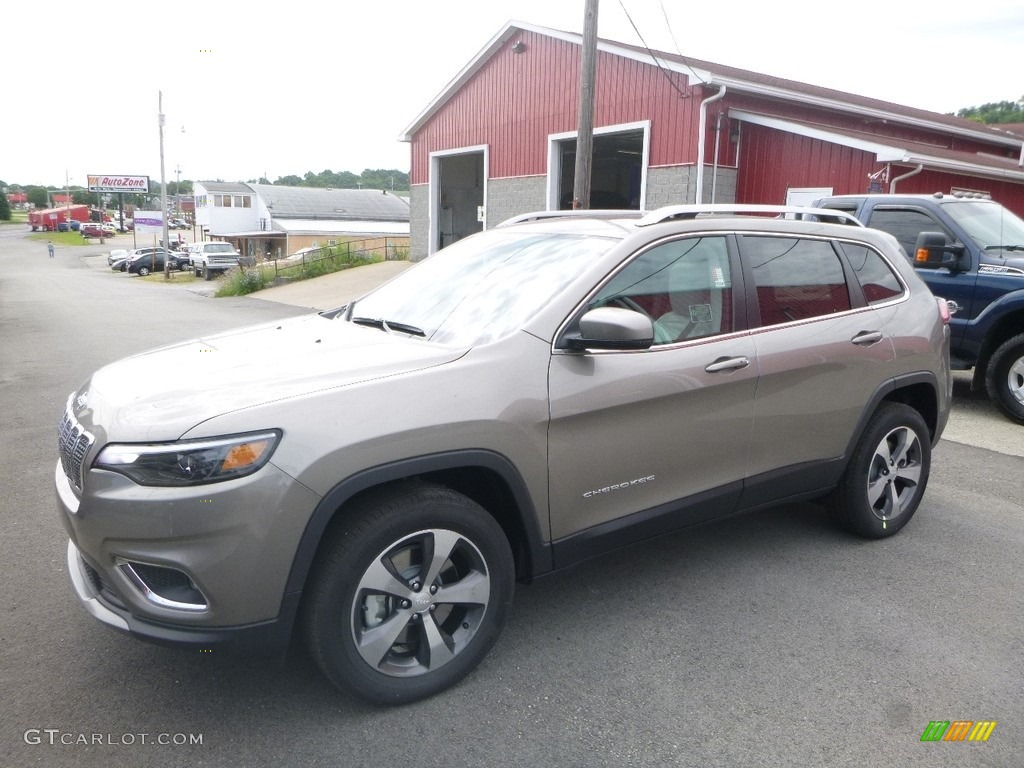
(189, 462)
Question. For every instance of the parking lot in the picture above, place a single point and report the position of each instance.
(771, 640)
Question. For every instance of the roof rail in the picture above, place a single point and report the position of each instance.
(669, 212)
(575, 213)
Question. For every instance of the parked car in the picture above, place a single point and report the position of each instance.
(63, 226)
(115, 255)
(376, 477)
(146, 260)
(177, 224)
(213, 257)
(76, 225)
(119, 265)
(94, 229)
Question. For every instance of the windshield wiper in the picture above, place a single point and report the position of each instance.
(1004, 247)
(389, 325)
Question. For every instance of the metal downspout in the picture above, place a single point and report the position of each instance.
(702, 129)
(892, 184)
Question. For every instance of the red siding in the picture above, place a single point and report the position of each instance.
(516, 101)
(773, 161)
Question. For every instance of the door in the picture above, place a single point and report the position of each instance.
(905, 223)
(636, 432)
(820, 348)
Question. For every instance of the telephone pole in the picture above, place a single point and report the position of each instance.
(585, 136)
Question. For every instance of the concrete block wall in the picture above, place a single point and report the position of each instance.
(677, 185)
(511, 196)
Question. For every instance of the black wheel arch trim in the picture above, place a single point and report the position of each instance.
(536, 549)
(935, 421)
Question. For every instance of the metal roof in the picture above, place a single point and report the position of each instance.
(226, 187)
(316, 204)
(336, 227)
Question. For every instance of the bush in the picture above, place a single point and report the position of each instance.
(243, 280)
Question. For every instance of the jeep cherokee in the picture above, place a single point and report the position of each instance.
(381, 475)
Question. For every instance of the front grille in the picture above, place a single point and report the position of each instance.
(73, 443)
(101, 587)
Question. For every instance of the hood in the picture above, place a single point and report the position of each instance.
(161, 394)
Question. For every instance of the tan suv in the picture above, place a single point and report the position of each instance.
(531, 396)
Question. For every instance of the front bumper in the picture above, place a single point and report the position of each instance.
(268, 636)
(202, 565)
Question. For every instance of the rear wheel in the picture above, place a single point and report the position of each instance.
(409, 594)
(887, 474)
(1004, 378)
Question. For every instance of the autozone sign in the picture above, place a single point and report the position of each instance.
(132, 184)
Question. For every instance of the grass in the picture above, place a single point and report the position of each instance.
(244, 280)
(67, 238)
(177, 277)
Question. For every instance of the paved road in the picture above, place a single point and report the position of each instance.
(768, 640)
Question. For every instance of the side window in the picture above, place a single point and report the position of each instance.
(684, 286)
(905, 225)
(796, 279)
(873, 272)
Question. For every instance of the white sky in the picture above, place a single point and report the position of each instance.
(284, 88)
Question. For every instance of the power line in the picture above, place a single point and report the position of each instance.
(664, 71)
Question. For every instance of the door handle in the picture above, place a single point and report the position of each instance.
(727, 364)
(867, 338)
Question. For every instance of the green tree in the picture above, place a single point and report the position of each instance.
(5, 207)
(38, 197)
(995, 113)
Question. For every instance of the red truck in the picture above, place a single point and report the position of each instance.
(48, 218)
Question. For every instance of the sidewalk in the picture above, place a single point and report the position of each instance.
(333, 290)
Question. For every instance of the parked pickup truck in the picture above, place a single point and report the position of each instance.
(970, 251)
(209, 258)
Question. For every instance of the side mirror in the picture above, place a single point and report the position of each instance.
(933, 252)
(612, 328)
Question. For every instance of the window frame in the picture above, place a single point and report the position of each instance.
(853, 288)
(738, 278)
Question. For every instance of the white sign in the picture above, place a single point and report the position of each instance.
(149, 222)
(136, 185)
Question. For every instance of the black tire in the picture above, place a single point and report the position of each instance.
(369, 613)
(143, 271)
(887, 474)
(1004, 378)
(207, 274)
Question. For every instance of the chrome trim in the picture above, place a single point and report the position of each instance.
(136, 581)
(89, 599)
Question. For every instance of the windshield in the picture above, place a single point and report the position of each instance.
(219, 248)
(481, 288)
(989, 224)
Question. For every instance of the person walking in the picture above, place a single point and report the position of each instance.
(49, 247)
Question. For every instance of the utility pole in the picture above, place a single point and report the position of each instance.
(585, 136)
(163, 186)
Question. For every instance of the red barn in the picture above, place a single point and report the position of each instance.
(501, 139)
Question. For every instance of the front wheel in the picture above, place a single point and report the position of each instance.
(143, 271)
(887, 474)
(409, 594)
(1004, 378)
